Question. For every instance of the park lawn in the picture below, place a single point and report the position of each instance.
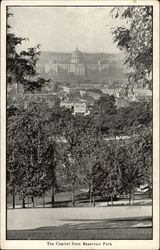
(88, 234)
(78, 229)
(63, 199)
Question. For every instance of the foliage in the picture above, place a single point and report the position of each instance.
(144, 141)
(21, 66)
(40, 149)
(91, 158)
(130, 120)
(31, 156)
(134, 37)
(69, 152)
(127, 165)
(111, 184)
(124, 121)
(103, 112)
(78, 153)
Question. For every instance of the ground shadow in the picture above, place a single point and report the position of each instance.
(130, 228)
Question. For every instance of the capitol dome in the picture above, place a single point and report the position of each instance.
(76, 56)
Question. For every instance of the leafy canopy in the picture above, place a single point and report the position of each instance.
(21, 66)
(134, 38)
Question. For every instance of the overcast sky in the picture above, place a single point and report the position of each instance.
(61, 29)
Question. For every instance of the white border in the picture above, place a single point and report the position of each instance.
(116, 244)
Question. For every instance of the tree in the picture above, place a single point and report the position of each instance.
(110, 176)
(103, 112)
(91, 157)
(31, 156)
(134, 158)
(12, 169)
(134, 37)
(131, 169)
(126, 166)
(69, 152)
(144, 141)
(131, 119)
(21, 66)
(26, 139)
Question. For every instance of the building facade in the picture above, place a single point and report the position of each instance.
(75, 107)
(76, 67)
(79, 67)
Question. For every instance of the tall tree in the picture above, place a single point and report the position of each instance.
(21, 66)
(91, 150)
(131, 119)
(134, 38)
(144, 141)
(31, 155)
(25, 136)
(111, 174)
(103, 112)
(69, 152)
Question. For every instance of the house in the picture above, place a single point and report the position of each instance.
(75, 106)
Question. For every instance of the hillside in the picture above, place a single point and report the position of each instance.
(90, 58)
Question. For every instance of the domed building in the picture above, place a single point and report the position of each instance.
(93, 67)
(76, 67)
(76, 56)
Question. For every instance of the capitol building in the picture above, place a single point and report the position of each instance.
(76, 67)
(95, 67)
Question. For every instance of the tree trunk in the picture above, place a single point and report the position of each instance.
(28, 200)
(16, 88)
(43, 200)
(23, 202)
(149, 192)
(112, 199)
(133, 198)
(32, 201)
(129, 199)
(89, 190)
(90, 198)
(13, 199)
(93, 200)
(90, 194)
(73, 198)
(52, 196)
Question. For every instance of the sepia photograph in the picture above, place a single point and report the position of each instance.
(79, 124)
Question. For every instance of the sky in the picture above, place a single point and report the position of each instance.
(61, 29)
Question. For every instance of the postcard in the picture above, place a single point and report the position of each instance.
(80, 125)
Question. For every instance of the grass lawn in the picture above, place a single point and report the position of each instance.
(63, 199)
(88, 234)
(72, 229)
(82, 222)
